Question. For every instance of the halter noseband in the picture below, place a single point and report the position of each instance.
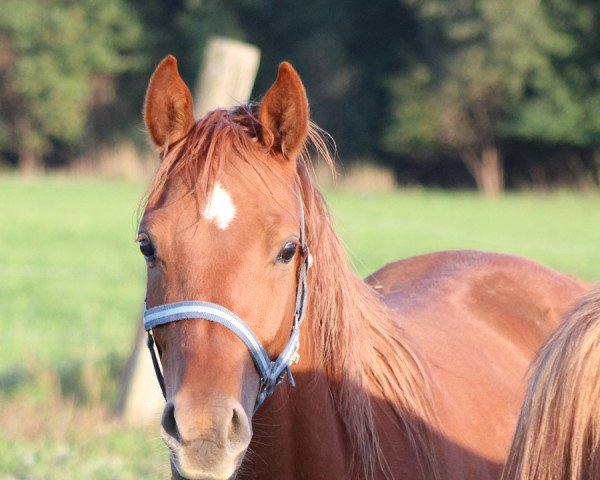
(272, 373)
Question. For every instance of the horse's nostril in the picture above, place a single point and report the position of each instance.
(235, 425)
(168, 421)
(238, 432)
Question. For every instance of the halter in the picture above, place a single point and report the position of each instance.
(271, 373)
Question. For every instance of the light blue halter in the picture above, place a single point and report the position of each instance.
(272, 373)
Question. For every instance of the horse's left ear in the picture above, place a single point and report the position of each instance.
(284, 113)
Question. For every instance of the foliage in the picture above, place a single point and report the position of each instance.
(340, 48)
(391, 80)
(51, 54)
(562, 103)
(490, 72)
(343, 50)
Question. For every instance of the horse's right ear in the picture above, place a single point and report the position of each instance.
(168, 109)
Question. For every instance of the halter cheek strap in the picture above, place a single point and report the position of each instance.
(271, 373)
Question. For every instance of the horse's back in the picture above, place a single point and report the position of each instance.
(477, 320)
(518, 299)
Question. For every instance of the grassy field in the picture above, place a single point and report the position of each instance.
(559, 229)
(72, 281)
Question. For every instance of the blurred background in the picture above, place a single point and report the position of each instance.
(458, 124)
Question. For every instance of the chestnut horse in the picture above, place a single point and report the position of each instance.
(416, 373)
(558, 433)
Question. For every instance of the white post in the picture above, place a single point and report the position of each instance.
(226, 79)
(141, 400)
(227, 75)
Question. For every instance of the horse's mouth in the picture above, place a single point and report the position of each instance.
(175, 475)
(176, 469)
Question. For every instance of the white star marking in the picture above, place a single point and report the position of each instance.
(219, 207)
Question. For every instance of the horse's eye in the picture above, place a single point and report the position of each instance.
(147, 249)
(287, 252)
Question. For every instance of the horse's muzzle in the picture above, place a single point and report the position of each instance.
(206, 444)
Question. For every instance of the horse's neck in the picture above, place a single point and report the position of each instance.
(299, 434)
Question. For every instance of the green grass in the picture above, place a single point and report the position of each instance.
(71, 287)
(70, 277)
(72, 283)
(559, 229)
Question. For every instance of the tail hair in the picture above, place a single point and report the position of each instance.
(558, 432)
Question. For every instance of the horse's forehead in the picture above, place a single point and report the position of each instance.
(228, 204)
(219, 208)
(245, 191)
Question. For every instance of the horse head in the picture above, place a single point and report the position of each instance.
(222, 229)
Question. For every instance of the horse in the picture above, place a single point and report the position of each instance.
(276, 360)
(558, 432)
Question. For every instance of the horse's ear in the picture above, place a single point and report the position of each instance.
(168, 109)
(284, 113)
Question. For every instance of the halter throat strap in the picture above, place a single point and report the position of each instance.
(271, 373)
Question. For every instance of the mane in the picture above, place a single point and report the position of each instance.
(362, 346)
(558, 433)
(200, 156)
(342, 307)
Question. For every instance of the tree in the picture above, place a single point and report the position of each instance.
(51, 53)
(342, 49)
(480, 61)
(562, 103)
